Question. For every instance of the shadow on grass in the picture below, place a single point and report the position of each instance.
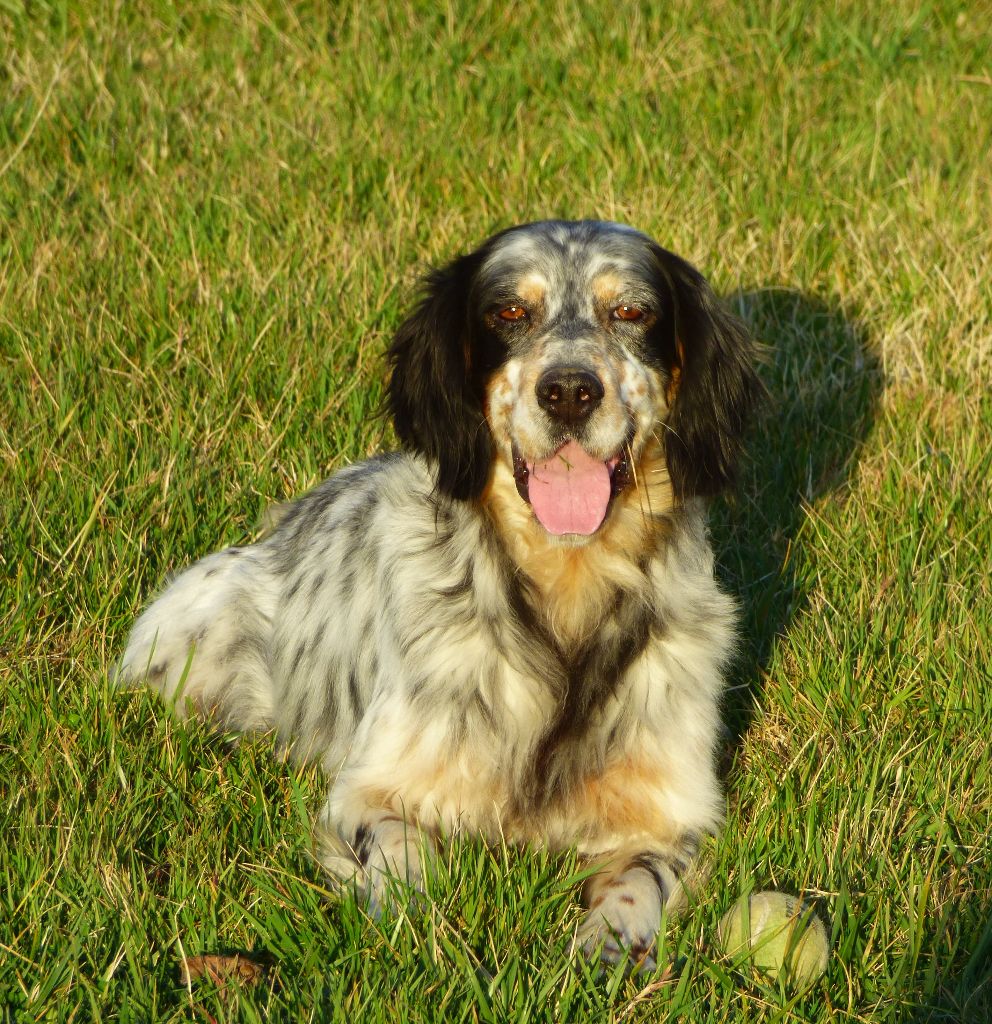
(967, 996)
(824, 385)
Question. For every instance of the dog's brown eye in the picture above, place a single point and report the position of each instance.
(512, 313)
(629, 313)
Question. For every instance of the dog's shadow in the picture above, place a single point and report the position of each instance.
(823, 388)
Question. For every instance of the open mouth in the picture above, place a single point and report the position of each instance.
(571, 491)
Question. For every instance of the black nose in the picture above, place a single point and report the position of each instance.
(569, 394)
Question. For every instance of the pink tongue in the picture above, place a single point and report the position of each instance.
(570, 491)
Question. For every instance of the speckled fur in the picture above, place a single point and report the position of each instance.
(410, 624)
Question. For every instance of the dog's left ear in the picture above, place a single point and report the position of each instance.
(714, 384)
(435, 394)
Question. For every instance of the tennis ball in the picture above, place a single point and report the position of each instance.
(778, 934)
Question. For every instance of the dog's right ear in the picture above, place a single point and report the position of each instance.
(435, 394)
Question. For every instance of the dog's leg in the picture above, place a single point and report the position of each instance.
(625, 899)
(379, 852)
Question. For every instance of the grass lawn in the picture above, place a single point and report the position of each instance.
(213, 215)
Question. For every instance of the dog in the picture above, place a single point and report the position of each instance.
(511, 625)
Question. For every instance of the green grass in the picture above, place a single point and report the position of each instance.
(211, 218)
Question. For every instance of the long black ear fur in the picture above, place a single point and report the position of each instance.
(435, 395)
(716, 387)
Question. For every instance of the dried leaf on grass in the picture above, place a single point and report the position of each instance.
(222, 968)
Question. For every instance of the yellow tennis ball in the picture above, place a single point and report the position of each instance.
(778, 934)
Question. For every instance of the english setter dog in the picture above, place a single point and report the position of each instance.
(512, 625)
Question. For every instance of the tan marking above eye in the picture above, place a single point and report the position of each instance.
(512, 313)
(531, 289)
(607, 288)
(628, 312)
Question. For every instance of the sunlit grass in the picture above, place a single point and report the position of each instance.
(212, 217)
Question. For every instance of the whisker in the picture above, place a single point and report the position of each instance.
(671, 430)
(642, 492)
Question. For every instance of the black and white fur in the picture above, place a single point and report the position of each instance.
(412, 626)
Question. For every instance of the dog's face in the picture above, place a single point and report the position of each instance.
(581, 317)
(566, 349)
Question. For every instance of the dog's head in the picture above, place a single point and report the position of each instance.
(567, 350)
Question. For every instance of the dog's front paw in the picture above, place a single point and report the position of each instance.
(624, 918)
(610, 942)
(381, 862)
(392, 857)
(390, 890)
